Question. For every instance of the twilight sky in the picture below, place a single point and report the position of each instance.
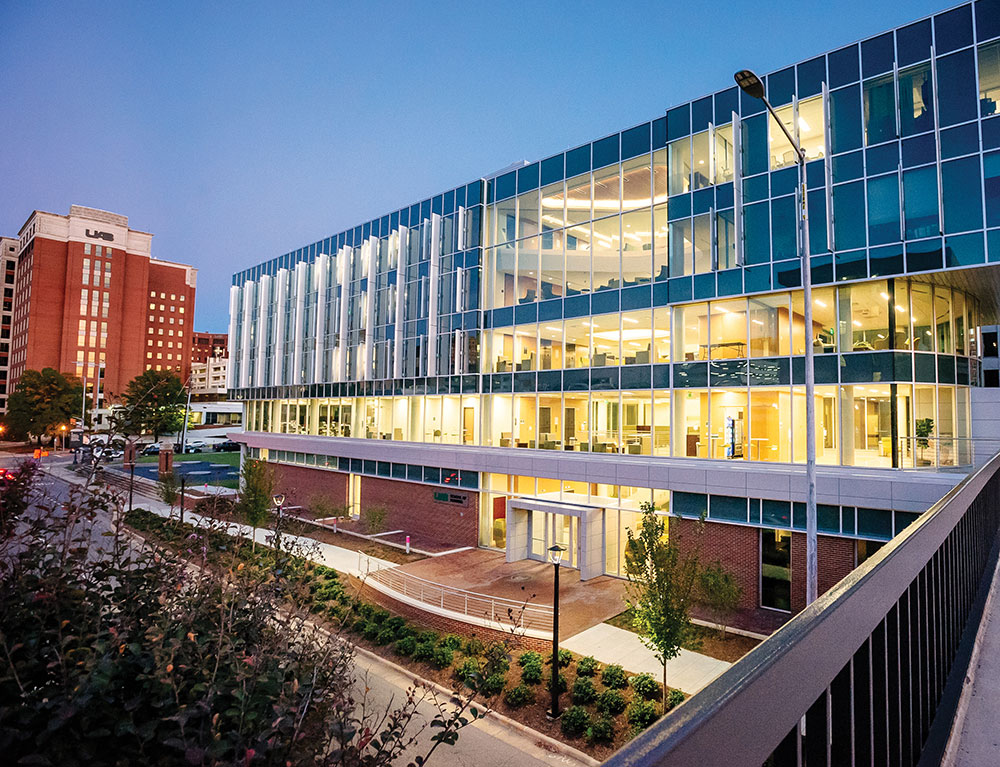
(235, 132)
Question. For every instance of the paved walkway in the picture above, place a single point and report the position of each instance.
(689, 671)
(975, 737)
(340, 559)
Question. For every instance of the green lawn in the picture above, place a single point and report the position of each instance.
(233, 459)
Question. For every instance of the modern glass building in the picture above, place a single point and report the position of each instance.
(525, 359)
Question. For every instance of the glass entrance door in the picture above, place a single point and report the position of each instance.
(550, 529)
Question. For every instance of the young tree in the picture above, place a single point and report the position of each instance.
(166, 487)
(256, 492)
(153, 402)
(115, 653)
(42, 402)
(661, 581)
(719, 593)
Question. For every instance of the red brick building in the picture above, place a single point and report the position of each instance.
(90, 300)
(206, 346)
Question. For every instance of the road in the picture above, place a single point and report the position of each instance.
(484, 743)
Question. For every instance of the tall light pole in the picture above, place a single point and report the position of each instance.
(751, 85)
(555, 557)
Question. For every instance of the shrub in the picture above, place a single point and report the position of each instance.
(364, 609)
(519, 696)
(468, 671)
(379, 616)
(497, 659)
(675, 698)
(611, 702)
(532, 673)
(602, 730)
(586, 666)
(442, 657)
(397, 625)
(641, 714)
(424, 651)
(371, 630)
(406, 646)
(451, 641)
(613, 677)
(560, 683)
(473, 647)
(385, 635)
(644, 685)
(575, 721)
(565, 658)
(428, 636)
(529, 657)
(359, 625)
(584, 691)
(492, 685)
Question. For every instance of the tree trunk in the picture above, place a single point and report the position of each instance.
(663, 702)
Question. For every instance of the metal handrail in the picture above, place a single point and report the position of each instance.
(463, 601)
(898, 617)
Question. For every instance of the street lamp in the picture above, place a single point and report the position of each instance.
(62, 437)
(555, 557)
(751, 85)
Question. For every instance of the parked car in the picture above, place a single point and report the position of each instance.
(152, 449)
(6, 475)
(226, 446)
(191, 446)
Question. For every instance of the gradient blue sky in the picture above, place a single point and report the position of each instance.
(238, 131)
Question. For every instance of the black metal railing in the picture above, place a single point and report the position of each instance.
(860, 675)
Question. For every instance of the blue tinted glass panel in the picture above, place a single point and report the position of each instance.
(987, 19)
(919, 150)
(845, 119)
(913, 43)
(552, 170)
(847, 167)
(678, 122)
(849, 216)
(606, 151)
(844, 66)
(728, 508)
(527, 178)
(701, 114)
(961, 194)
(991, 182)
(811, 76)
(920, 200)
(958, 141)
(964, 250)
(781, 86)
(505, 186)
(755, 159)
(883, 210)
(880, 110)
(957, 90)
(817, 221)
(882, 159)
(635, 141)
(916, 103)
(783, 228)
(877, 55)
(953, 30)
(577, 161)
(726, 103)
(756, 235)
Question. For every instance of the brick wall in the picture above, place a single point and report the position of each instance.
(738, 548)
(300, 484)
(411, 507)
(834, 557)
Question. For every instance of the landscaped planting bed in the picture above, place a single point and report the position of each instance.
(603, 706)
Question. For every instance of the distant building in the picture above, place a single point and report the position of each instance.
(207, 345)
(208, 378)
(90, 300)
(8, 264)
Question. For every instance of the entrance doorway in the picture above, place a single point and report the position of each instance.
(549, 529)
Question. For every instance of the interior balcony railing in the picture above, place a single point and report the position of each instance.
(869, 674)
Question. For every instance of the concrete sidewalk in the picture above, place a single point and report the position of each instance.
(342, 560)
(689, 671)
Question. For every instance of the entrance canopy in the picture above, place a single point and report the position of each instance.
(536, 523)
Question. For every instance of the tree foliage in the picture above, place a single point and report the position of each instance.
(719, 593)
(661, 582)
(114, 652)
(42, 402)
(256, 492)
(153, 402)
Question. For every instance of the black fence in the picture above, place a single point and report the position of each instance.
(866, 675)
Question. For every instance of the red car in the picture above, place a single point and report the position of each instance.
(6, 475)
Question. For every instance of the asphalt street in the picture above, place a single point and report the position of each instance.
(484, 743)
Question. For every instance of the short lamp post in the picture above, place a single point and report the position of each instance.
(751, 85)
(62, 437)
(555, 557)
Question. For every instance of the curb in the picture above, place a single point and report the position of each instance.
(547, 742)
